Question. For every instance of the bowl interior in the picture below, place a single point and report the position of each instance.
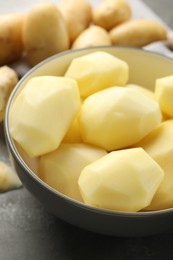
(145, 68)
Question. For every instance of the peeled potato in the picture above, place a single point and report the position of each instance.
(164, 94)
(11, 43)
(159, 145)
(77, 14)
(62, 168)
(124, 180)
(145, 91)
(73, 134)
(44, 33)
(110, 13)
(138, 33)
(43, 112)
(92, 36)
(118, 117)
(96, 71)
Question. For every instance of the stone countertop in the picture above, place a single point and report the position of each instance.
(29, 232)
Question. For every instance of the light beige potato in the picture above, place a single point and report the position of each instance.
(77, 14)
(124, 180)
(92, 36)
(96, 71)
(110, 13)
(144, 90)
(164, 94)
(138, 33)
(43, 112)
(73, 134)
(8, 79)
(118, 117)
(8, 178)
(159, 145)
(44, 33)
(62, 168)
(11, 44)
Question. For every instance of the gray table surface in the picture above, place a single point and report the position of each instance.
(29, 232)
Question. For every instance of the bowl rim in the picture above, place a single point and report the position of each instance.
(25, 167)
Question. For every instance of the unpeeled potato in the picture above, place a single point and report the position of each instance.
(92, 36)
(11, 45)
(171, 42)
(8, 79)
(110, 13)
(138, 33)
(8, 178)
(77, 14)
(44, 33)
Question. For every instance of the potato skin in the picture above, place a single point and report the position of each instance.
(92, 36)
(8, 79)
(44, 33)
(11, 44)
(170, 43)
(110, 13)
(138, 33)
(77, 14)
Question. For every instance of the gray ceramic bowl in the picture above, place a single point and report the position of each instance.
(145, 67)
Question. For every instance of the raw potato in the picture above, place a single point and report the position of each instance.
(145, 91)
(164, 94)
(8, 178)
(113, 118)
(118, 117)
(43, 112)
(73, 135)
(124, 180)
(61, 168)
(92, 36)
(138, 33)
(77, 14)
(44, 33)
(8, 79)
(159, 145)
(171, 42)
(11, 44)
(110, 13)
(96, 71)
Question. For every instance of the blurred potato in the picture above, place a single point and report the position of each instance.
(92, 36)
(138, 33)
(8, 79)
(77, 14)
(110, 13)
(171, 42)
(44, 33)
(11, 45)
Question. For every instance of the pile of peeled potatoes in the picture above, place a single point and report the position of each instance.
(50, 28)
